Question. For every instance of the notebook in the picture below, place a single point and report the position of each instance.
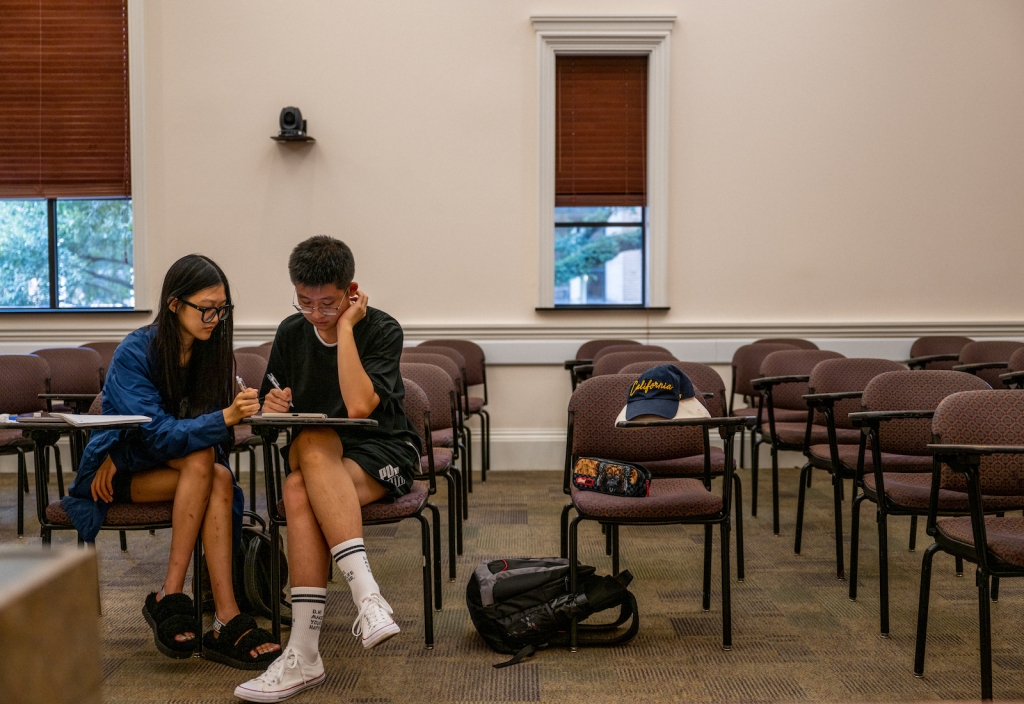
(92, 421)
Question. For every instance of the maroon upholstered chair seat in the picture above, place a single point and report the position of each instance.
(442, 460)
(476, 404)
(913, 490)
(793, 433)
(120, 514)
(891, 462)
(444, 437)
(244, 435)
(380, 511)
(1005, 535)
(692, 466)
(13, 438)
(670, 499)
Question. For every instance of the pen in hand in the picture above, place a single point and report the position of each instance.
(277, 386)
(241, 384)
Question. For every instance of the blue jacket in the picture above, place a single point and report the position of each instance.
(129, 390)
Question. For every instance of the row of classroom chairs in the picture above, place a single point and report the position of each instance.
(888, 426)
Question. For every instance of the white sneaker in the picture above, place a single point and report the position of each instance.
(374, 622)
(286, 677)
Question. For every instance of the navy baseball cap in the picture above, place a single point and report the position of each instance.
(658, 392)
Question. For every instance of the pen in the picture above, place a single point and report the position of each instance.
(278, 387)
(241, 384)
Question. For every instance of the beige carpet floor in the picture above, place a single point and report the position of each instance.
(797, 637)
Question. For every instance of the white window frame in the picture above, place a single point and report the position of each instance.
(137, 122)
(606, 35)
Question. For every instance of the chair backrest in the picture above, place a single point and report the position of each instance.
(789, 363)
(106, 350)
(22, 378)
(417, 406)
(832, 376)
(798, 342)
(614, 362)
(984, 418)
(438, 387)
(1016, 362)
(588, 349)
(471, 352)
(613, 349)
(701, 376)
(73, 370)
(938, 344)
(260, 350)
(449, 352)
(595, 404)
(251, 367)
(747, 363)
(452, 368)
(913, 391)
(989, 351)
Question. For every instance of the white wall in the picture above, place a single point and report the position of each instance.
(837, 169)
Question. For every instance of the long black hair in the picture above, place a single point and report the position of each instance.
(206, 383)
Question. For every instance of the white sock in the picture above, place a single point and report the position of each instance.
(351, 559)
(307, 616)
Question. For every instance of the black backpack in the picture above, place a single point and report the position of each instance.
(520, 606)
(252, 569)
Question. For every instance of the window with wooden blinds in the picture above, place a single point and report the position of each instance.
(600, 131)
(64, 99)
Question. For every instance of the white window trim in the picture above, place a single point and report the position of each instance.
(607, 35)
(137, 122)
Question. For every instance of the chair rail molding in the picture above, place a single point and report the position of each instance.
(609, 35)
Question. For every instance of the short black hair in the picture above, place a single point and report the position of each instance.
(320, 261)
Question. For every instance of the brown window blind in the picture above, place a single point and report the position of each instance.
(64, 98)
(600, 130)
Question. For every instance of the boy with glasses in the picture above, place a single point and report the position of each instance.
(339, 357)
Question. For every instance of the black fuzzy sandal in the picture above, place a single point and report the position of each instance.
(171, 616)
(233, 648)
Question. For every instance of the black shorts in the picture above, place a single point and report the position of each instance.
(122, 482)
(389, 461)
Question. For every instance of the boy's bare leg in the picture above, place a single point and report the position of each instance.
(334, 488)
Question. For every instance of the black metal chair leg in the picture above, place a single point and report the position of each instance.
(913, 534)
(469, 457)
(607, 539)
(275, 582)
(197, 590)
(743, 432)
(614, 531)
(922, 608)
(726, 589)
(435, 515)
(252, 479)
(985, 633)
(22, 487)
(883, 573)
(573, 582)
(806, 469)
(457, 498)
(564, 532)
(755, 452)
(738, 513)
(706, 595)
(959, 567)
(837, 496)
(855, 544)
(60, 470)
(452, 519)
(995, 589)
(428, 612)
(775, 490)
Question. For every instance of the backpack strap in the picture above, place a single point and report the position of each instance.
(627, 610)
(518, 657)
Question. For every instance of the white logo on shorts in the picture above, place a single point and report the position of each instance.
(392, 474)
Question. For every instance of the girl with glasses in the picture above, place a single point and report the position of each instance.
(179, 371)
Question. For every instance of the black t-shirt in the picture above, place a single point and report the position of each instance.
(300, 360)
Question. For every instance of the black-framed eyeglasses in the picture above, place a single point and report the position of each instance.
(323, 310)
(211, 314)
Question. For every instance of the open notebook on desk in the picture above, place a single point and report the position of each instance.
(92, 421)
